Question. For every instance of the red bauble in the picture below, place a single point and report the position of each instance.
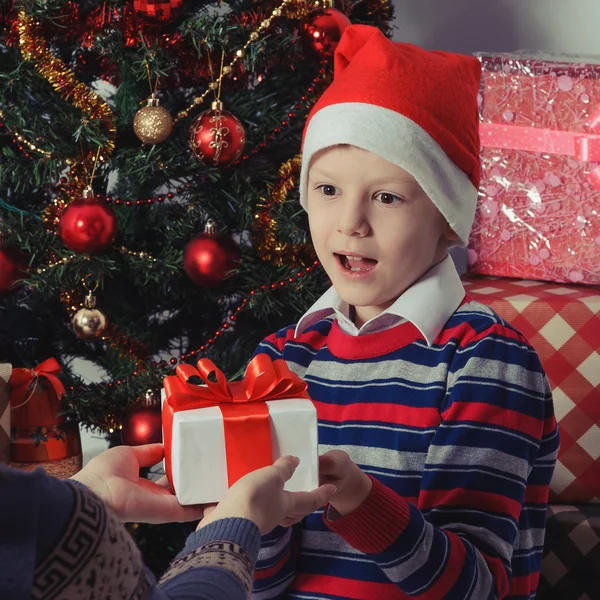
(158, 10)
(208, 258)
(88, 225)
(13, 263)
(322, 30)
(142, 425)
(216, 137)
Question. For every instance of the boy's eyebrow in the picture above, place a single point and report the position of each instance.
(409, 179)
(320, 172)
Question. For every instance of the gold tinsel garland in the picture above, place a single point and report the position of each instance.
(22, 140)
(265, 225)
(34, 48)
(301, 10)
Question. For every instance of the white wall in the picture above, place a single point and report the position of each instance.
(467, 26)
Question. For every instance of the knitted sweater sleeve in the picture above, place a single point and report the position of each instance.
(59, 539)
(488, 471)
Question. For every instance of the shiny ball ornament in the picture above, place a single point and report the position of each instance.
(216, 137)
(142, 424)
(208, 259)
(13, 263)
(322, 30)
(153, 123)
(158, 10)
(87, 225)
(88, 322)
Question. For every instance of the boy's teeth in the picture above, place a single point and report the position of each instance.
(352, 263)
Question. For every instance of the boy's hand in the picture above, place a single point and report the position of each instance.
(260, 497)
(353, 485)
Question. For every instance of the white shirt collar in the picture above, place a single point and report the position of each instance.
(427, 304)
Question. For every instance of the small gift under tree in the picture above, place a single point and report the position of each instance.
(40, 433)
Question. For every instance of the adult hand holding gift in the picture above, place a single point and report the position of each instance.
(217, 432)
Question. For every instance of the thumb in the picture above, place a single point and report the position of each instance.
(330, 462)
(285, 466)
(324, 493)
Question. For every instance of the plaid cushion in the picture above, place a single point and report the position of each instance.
(562, 322)
(571, 566)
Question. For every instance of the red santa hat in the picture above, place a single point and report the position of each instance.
(416, 108)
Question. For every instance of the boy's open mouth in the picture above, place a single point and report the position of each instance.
(355, 263)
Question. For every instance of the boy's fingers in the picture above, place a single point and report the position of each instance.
(286, 465)
(331, 462)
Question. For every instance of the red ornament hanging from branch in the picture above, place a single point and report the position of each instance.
(88, 225)
(142, 424)
(322, 30)
(158, 10)
(13, 263)
(208, 259)
(216, 136)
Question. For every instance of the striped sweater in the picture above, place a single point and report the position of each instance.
(460, 440)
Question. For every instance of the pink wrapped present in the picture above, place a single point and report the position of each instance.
(538, 214)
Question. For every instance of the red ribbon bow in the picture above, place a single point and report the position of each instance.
(22, 379)
(245, 415)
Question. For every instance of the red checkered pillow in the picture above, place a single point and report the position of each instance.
(562, 322)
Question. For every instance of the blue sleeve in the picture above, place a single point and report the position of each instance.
(59, 540)
(217, 562)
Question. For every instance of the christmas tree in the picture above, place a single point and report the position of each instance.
(148, 167)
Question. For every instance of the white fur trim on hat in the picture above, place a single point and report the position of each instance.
(401, 141)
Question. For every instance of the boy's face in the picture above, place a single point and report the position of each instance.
(374, 229)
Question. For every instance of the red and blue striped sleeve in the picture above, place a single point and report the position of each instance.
(484, 489)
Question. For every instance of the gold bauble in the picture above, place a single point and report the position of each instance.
(88, 322)
(153, 123)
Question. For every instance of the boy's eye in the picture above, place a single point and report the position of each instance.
(387, 198)
(328, 190)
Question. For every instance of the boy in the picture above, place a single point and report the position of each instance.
(435, 417)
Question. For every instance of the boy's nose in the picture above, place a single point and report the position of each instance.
(352, 220)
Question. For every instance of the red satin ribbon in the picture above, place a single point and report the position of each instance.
(245, 415)
(584, 147)
(21, 379)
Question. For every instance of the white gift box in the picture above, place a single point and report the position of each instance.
(198, 456)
